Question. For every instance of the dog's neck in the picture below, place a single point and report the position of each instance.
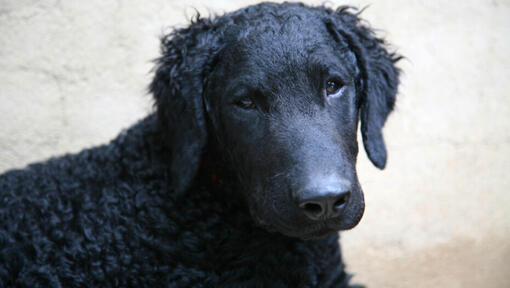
(217, 176)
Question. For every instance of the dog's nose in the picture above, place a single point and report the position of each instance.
(325, 205)
(324, 198)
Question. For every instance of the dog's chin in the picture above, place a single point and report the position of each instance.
(310, 231)
(320, 233)
(303, 234)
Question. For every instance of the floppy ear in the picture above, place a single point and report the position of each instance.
(378, 79)
(177, 89)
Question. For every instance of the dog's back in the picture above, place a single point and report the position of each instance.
(75, 220)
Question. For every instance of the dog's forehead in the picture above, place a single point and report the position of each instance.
(274, 50)
(281, 59)
(282, 44)
(285, 54)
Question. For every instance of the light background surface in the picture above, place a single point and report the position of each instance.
(74, 73)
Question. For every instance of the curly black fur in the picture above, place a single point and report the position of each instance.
(178, 200)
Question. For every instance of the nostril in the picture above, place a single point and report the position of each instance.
(341, 200)
(313, 208)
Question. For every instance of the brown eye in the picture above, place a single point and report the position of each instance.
(246, 103)
(333, 86)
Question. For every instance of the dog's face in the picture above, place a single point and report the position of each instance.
(284, 108)
(281, 101)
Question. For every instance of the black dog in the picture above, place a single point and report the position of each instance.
(241, 179)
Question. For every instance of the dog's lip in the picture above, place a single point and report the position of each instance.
(305, 230)
(319, 233)
(316, 230)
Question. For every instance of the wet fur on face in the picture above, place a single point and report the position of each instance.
(250, 89)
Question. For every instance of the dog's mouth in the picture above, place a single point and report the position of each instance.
(318, 234)
(313, 232)
(318, 231)
(304, 231)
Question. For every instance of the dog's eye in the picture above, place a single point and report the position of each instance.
(246, 103)
(333, 86)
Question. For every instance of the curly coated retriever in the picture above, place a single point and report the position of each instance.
(241, 178)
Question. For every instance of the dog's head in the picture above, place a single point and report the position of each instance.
(277, 91)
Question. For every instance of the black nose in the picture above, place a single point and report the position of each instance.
(324, 204)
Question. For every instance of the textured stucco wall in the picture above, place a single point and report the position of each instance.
(74, 73)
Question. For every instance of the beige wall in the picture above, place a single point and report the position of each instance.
(73, 73)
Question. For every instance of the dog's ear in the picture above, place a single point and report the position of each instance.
(177, 87)
(377, 82)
